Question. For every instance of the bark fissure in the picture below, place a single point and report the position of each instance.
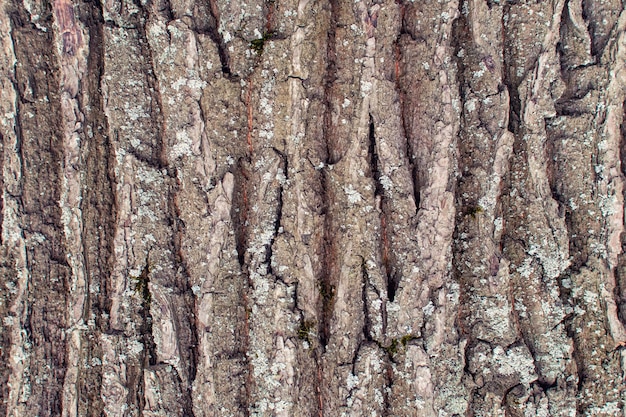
(367, 323)
(278, 217)
(327, 283)
(330, 77)
(98, 217)
(213, 31)
(620, 271)
(158, 157)
(189, 323)
(391, 275)
(40, 143)
(409, 152)
(239, 210)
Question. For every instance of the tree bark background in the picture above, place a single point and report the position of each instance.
(312, 208)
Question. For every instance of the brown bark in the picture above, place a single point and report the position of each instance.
(311, 208)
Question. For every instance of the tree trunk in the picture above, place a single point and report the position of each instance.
(312, 208)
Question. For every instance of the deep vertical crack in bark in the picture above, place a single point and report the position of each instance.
(327, 280)
(45, 264)
(98, 220)
(12, 308)
(284, 166)
(183, 318)
(366, 314)
(391, 273)
(5, 299)
(330, 77)
(158, 159)
(188, 321)
(401, 91)
(620, 271)
(142, 286)
(216, 37)
(239, 210)
(239, 215)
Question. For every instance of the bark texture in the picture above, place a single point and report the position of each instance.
(312, 208)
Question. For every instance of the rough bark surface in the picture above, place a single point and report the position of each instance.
(312, 208)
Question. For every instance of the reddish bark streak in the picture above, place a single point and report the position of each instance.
(270, 16)
(70, 33)
(319, 391)
(397, 63)
(385, 239)
(249, 378)
(249, 111)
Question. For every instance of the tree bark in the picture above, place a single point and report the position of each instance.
(312, 208)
